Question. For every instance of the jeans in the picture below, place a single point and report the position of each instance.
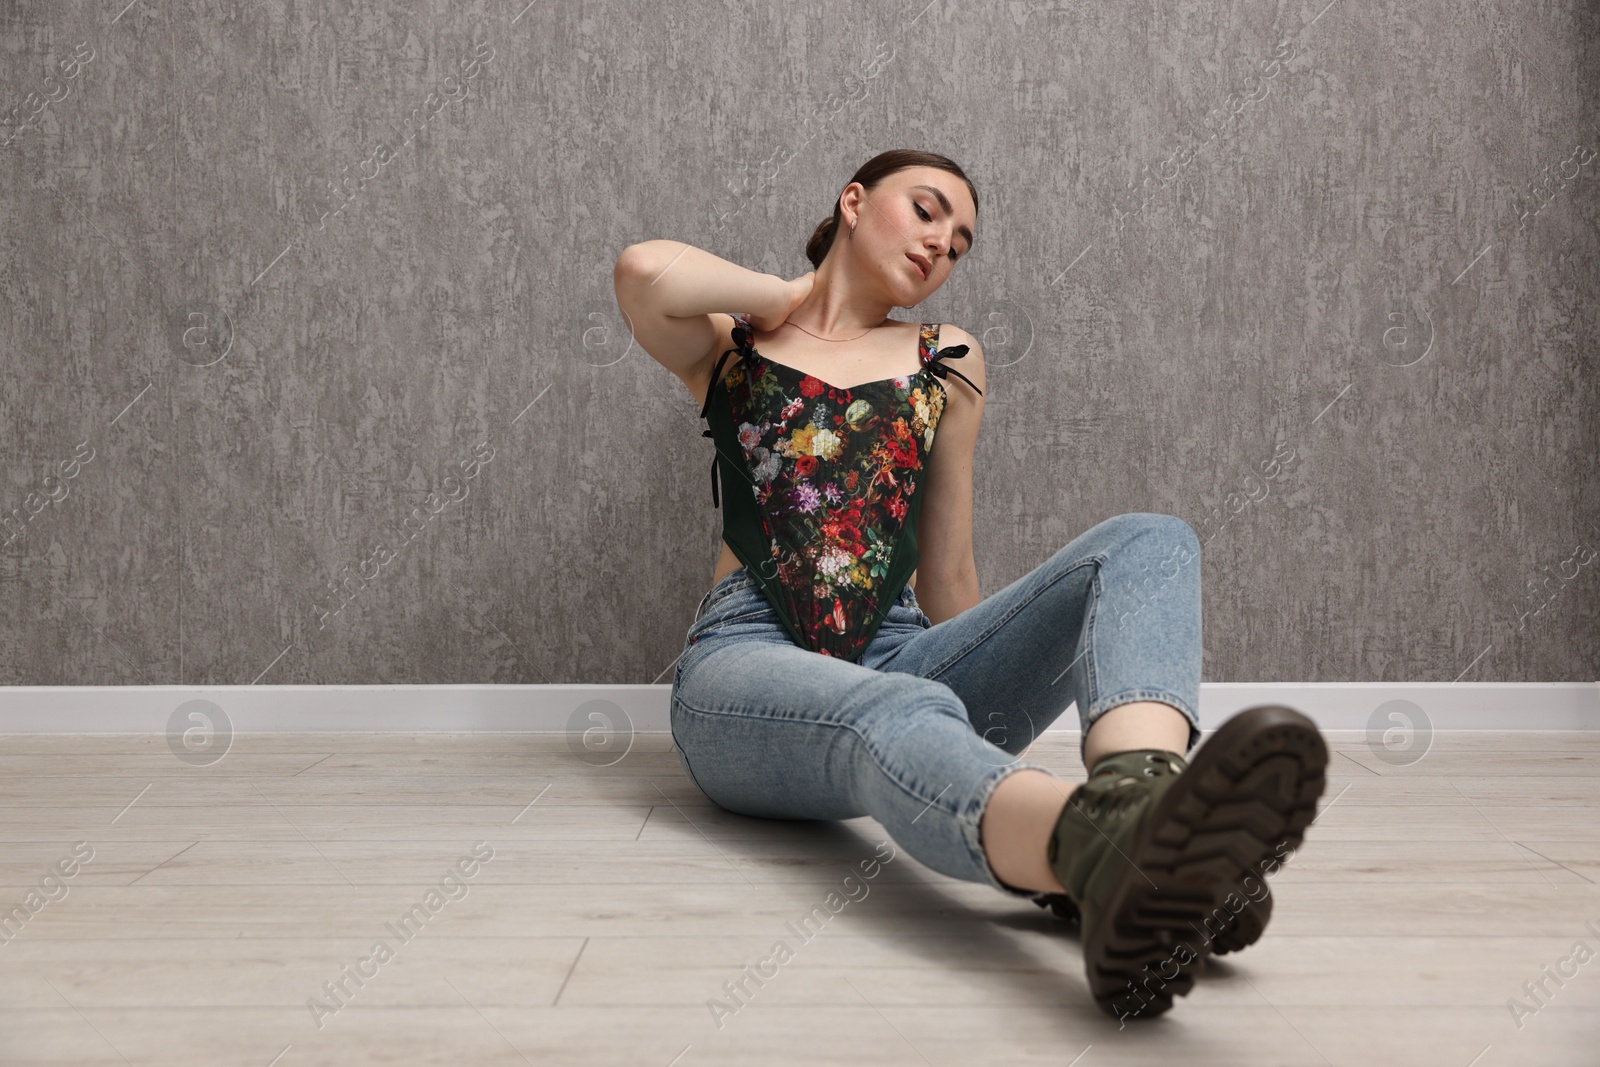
(918, 733)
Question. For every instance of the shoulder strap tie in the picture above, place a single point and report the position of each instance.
(953, 352)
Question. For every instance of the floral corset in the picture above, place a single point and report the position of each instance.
(825, 485)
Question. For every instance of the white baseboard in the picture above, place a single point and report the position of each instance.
(162, 709)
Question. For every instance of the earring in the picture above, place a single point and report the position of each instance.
(852, 229)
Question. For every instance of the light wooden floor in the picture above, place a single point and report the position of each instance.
(220, 899)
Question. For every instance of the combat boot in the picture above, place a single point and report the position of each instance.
(1151, 848)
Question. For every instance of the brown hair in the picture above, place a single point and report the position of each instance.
(871, 173)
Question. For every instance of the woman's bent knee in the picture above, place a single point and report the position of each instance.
(1169, 530)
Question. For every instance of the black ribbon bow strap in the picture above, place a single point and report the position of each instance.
(953, 352)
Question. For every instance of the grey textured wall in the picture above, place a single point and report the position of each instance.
(283, 278)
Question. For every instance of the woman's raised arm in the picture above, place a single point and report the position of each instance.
(669, 291)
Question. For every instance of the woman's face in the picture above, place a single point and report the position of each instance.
(912, 229)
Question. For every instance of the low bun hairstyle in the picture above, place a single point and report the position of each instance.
(871, 173)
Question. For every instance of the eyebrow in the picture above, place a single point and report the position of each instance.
(944, 202)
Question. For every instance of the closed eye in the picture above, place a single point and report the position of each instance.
(925, 217)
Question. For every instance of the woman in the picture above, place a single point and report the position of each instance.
(821, 680)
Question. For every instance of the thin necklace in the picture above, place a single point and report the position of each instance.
(835, 340)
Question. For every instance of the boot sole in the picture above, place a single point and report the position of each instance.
(1249, 794)
(1237, 931)
(1244, 929)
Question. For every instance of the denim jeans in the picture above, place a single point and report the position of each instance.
(919, 732)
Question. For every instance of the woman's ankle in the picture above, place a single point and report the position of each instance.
(1140, 724)
(1016, 826)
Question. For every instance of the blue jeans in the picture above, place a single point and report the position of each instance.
(920, 731)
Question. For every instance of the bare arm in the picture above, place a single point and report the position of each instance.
(947, 574)
(676, 296)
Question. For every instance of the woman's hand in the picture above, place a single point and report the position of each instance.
(797, 291)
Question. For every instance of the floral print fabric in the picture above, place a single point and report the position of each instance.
(834, 473)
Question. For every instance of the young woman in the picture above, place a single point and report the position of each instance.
(826, 677)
